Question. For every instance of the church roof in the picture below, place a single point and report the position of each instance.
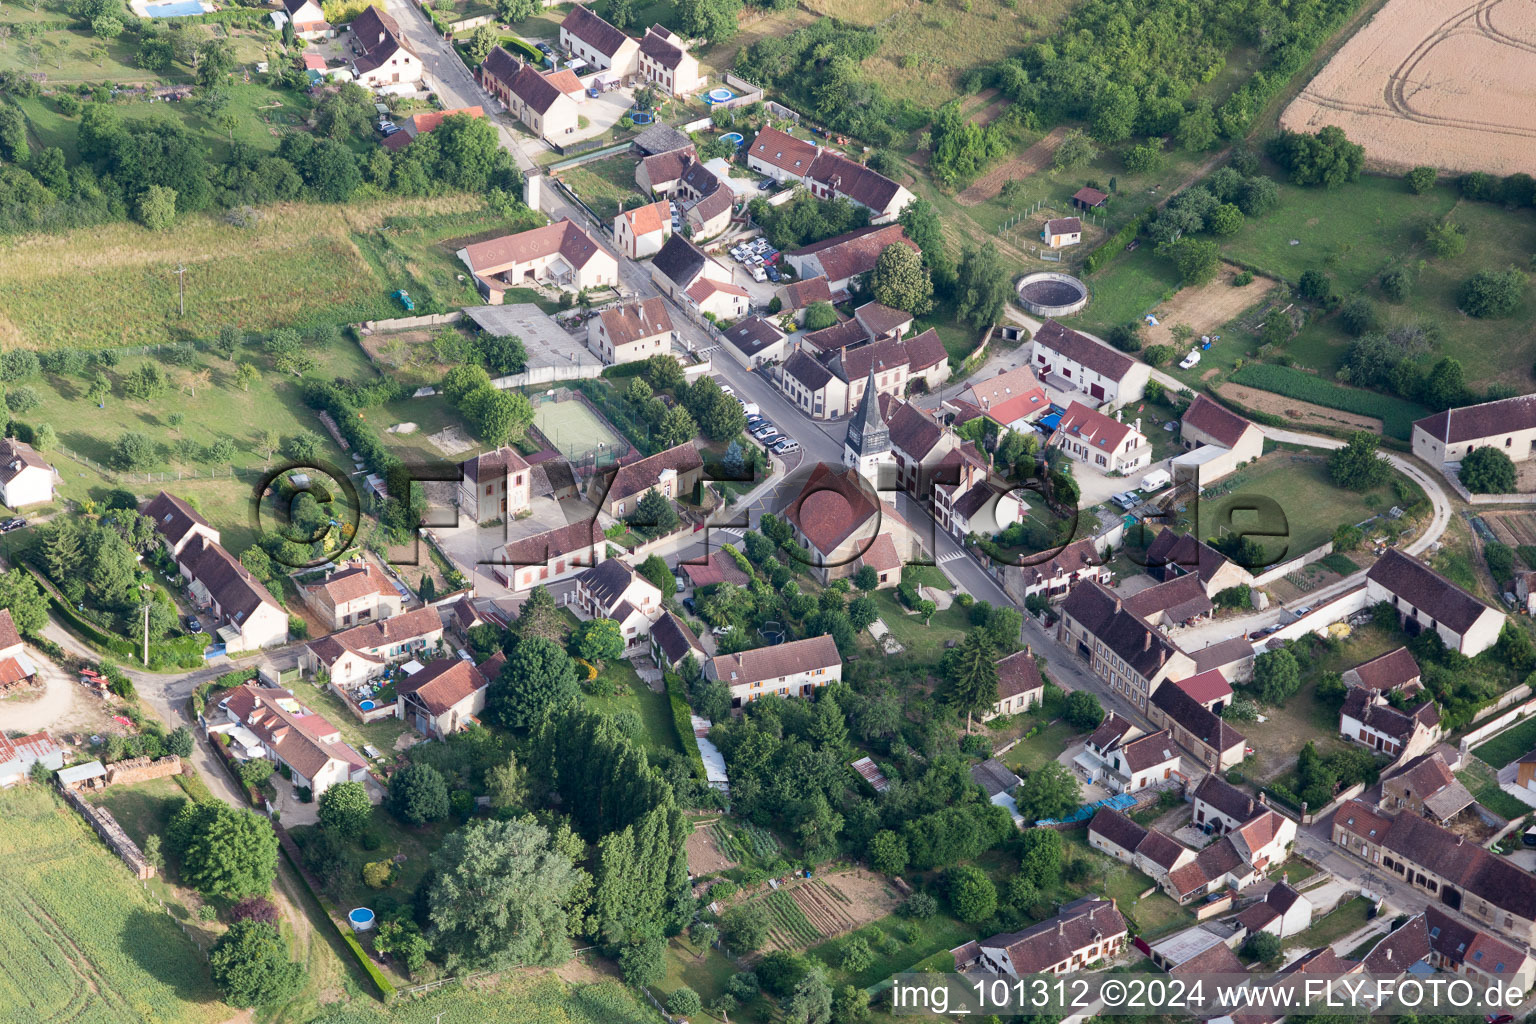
(867, 431)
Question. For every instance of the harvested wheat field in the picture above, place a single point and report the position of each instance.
(1298, 412)
(1207, 307)
(1430, 83)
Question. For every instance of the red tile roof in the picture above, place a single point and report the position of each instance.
(648, 219)
(1216, 420)
(1010, 396)
(9, 636)
(771, 663)
(784, 151)
(638, 477)
(350, 582)
(831, 507)
(429, 121)
(855, 252)
(1092, 428)
(443, 683)
(800, 294)
(635, 320)
(1083, 350)
(1206, 687)
(1388, 671)
(1478, 421)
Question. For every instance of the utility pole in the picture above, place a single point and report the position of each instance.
(181, 283)
(146, 634)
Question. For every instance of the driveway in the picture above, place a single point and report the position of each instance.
(602, 112)
(62, 706)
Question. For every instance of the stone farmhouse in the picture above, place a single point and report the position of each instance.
(1424, 599)
(353, 593)
(1509, 425)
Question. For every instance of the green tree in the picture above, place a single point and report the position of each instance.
(538, 678)
(499, 894)
(132, 450)
(600, 640)
(745, 927)
(44, 438)
(1397, 283)
(887, 852)
(497, 417)
(507, 783)
(1492, 294)
(481, 42)
(714, 21)
(28, 605)
(250, 965)
(971, 893)
(156, 208)
(655, 569)
(1276, 676)
(1421, 180)
(1446, 239)
(1050, 791)
(983, 287)
(513, 11)
(684, 1001)
(1327, 158)
(677, 427)
(1197, 259)
(464, 380)
(1484, 470)
(900, 280)
(1197, 128)
(819, 315)
(1076, 149)
(345, 809)
(1227, 219)
(1263, 947)
(224, 852)
(1357, 466)
(1040, 856)
(403, 941)
(664, 372)
(1083, 711)
(246, 375)
(654, 515)
(970, 675)
(418, 793)
(811, 1002)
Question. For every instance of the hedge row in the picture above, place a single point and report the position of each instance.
(682, 721)
(1115, 244)
(516, 45)
(385, 986)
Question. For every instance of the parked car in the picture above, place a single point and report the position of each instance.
(773, 274)
(1125, 501)
(754, 418)
(1190, 360)
(720, 630)
(726, 387)
(771, 439)
(786, 446)
(13, 523)
(689, 606)
(193, 625)
(759, 275)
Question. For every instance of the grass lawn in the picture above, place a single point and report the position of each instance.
(217, 410)
(70, 55)
(934, 935)
(144, 808)
(706, 970)
(923, 644)
(256, 278)
(1287, 729)
(397, 839)
(1040, 749)
(605, 184)
(1131, 285)
(1312, 506)
(1508, 745)
(1342, 920)
(1483, 783)
(654, 709)
(1295, 870)
(70, 911)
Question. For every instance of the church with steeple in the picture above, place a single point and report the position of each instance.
(867, 447)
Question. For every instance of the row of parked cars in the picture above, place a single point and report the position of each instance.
(759, 426)
(758, 258)
(1127, 499)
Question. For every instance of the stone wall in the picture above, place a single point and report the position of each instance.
(106, 826)
(141, 769)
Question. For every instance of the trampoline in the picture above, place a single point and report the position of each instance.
(720, 95)
(734, 138)
(640, 118)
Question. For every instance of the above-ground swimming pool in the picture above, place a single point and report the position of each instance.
(360, 919)
(734, 138)
(640, 118)
(720, 95)
(367, 705)
(174, 9)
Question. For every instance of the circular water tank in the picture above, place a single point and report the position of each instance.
(1051, 294)
(361, 919)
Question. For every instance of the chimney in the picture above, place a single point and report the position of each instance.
(1117, 417)
(1146, 640)
(1285, 878)
(1460, 840)
(1138, 424)
(1061, 926)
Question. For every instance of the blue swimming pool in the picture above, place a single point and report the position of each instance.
(174, 9)
(734, 138)
(720, 95)
(367, 705)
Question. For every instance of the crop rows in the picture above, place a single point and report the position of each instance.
(790, 925)
(760, 842)
(1396, 415)
(820, 904)
(726, 842)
